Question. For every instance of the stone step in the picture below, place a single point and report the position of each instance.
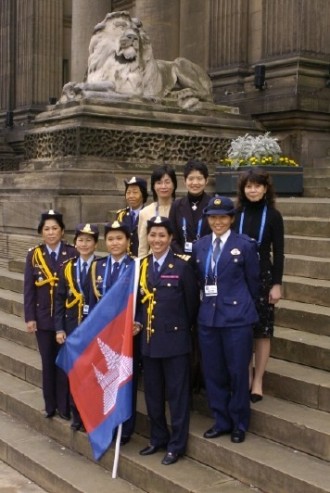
(304, 266)
(52, 466)
(302, 226)
(318, 181)
(303, 316)
(306, 290)
(304, 207)
(13, 281)
(298, 383)
(301, 347)
(24, 403)
(310, 246)
(13, 328)
(11, 302)
(316, 192)
(25, 364)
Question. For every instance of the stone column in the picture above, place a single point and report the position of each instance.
(228, 33)
(85, 15)
(194, 31)
(7, 65)
(38, 57)
(161, 20)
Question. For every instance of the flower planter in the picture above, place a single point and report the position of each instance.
(286, 180)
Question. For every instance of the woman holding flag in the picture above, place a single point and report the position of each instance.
(71, 303)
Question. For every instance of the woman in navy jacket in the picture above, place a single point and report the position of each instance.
(227, 265)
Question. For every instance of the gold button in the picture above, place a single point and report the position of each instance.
(154, 289)
(152, 316)
(175, 328)
(234, 302)
(152, 331)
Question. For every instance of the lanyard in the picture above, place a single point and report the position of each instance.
(262, 224)
(104, 286)
(208, 262)
(184, 228)
(78, 271)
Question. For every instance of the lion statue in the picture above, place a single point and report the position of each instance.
(121, 65)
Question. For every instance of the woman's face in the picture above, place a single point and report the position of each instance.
(85, 244)
(254, 191)
(196, 182)
(164, 187)
(134, 197)
(51, 233)
(220, 224)
(159, 240)
(117, 244)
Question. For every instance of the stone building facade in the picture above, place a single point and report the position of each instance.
(44, 43)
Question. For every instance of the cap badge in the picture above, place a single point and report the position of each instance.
(51, 212)
(158, 220)
(132, 180)
(115, 224)
(217, 202)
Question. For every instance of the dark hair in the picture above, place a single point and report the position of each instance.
(194, 165)
(158, 174)
(57, 218)
(255, 175)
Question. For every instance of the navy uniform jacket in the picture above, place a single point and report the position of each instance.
(124, 216)
(40, 284)
(97, 276)
(181, 208)
(175, 307)
(70, 298)
(237, 282)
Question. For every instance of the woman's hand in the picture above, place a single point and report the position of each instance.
(275, 294)
(60, 337)
(137, 327)
(31, 326)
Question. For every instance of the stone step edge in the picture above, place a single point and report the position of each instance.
(251, 462)
(131, 464)
(30, 369)
(51, 465)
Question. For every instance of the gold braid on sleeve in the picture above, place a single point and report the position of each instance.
(78, 297)
(93, 275)
(38, 259)
(149, 296)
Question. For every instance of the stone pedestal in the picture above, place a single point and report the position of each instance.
(78, 155)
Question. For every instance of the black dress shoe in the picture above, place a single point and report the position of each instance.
(213, 433)
(124, 439)
(170, 458)
(255, 398)
(50, 415)
(75, 426)
(149, 450)
(238, 436)
(66, 417)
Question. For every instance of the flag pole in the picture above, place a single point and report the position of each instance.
(117, 452)
(120, 427)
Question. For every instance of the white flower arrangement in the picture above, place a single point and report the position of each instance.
(260, 150)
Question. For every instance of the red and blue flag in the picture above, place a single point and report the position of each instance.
(98, 359)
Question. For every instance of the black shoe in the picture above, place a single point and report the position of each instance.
(149, 450)
(50, 415)
(75, 425)
(66, 417)
(124, 439)
(213, 433)
(170, 458)
(255, 398)
(238, 436)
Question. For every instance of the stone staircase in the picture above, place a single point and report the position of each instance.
(287, 449)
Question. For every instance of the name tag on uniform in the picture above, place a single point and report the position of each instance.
(188, 246)
(85, 309)
(211, 290)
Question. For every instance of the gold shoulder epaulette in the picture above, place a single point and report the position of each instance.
(182, 256)
(36, 246)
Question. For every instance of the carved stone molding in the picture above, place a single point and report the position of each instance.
(120, 146)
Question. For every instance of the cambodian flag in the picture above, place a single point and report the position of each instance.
(98, 359)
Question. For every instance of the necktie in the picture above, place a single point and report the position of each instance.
(83, 273)
(53, 260)
(156, 269)
(216, 252)
(134, 215)
(114, 273)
